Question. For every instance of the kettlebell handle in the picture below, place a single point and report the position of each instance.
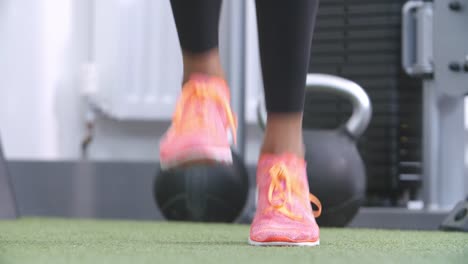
(362, 109)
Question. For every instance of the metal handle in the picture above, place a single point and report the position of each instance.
(417, 38)
(362, 109)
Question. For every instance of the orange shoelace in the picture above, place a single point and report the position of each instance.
(285, 185)
(196, 117)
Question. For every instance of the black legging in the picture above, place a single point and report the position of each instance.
(285, 34)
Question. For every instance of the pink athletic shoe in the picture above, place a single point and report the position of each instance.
(201, 126)
(284, 214)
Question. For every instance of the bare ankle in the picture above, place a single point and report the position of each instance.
(205, 63)
(273, 149)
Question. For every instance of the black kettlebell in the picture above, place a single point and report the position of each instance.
(335, 168)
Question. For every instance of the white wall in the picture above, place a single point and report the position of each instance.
(39, 51)
(44, 46)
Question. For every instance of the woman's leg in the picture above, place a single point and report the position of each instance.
(285, 35)
(197, 28)
(284, 215)
(203, 117)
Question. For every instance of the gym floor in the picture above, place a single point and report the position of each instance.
(46, 240)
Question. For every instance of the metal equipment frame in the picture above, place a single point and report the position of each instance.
(435, 47)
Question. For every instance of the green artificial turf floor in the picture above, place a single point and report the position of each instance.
(36, 240)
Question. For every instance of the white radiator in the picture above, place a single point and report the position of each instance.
(136, 65)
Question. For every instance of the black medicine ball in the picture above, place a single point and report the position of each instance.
(203, 193)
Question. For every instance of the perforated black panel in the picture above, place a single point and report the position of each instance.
(360, 40)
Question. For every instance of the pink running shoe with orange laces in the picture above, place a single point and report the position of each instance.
(202, 125)
(284, 215)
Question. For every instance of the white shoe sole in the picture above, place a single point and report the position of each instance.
(215, 154)
(287, 244)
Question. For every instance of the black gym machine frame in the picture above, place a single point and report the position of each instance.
(8, 208)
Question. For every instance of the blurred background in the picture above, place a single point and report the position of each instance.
(62, 59)
(108, 72)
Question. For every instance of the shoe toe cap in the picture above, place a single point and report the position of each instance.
(268, 231)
